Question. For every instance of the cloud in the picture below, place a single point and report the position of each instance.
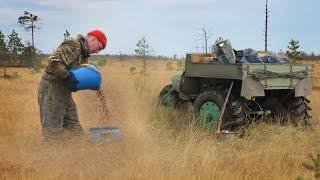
(54, 13)
(9, 14)
(183, 2)
(76, 4)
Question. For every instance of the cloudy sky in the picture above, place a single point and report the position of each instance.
(171, 26)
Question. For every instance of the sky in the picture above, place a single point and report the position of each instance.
(170, 26)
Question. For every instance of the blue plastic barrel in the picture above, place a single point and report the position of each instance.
(87, 77)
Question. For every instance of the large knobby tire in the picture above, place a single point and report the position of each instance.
(299, 109)
(208, 107)
(168, 97)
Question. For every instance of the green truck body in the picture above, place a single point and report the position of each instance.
(255, 77)
(256, 90)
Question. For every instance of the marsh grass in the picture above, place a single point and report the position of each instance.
(159, 143)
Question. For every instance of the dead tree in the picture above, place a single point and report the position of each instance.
(206, 35)
(266, 27)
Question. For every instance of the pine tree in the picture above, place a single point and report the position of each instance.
(143, 49)
(3, 45)
(4, 54)
(293, 50)
(29, 21)
(15, 45)
(3, 48)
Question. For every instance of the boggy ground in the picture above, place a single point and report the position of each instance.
(158, 143)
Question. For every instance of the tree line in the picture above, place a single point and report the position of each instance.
(15, 53)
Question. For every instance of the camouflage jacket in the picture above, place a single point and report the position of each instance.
(70, 53)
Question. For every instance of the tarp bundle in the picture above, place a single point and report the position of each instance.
(251, 56)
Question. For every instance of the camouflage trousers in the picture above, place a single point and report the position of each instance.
(58, 112)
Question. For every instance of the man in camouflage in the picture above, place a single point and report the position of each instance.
(58, 112)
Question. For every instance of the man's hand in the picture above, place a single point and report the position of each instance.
(71, 82)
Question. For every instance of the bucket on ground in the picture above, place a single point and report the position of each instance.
(105, 133)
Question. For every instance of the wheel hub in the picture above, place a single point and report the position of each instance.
(209, 115)
(168, 100)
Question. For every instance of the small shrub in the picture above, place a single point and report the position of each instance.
(314, 166)
(169, 66)
(102, 62)
(180, 64)
(12, 76)
(35, 71)
(37, 67)
(133, 70)
(139, 80)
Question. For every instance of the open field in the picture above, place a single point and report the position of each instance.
(158, 143)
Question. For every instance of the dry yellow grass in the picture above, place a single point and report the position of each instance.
(158, 143)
